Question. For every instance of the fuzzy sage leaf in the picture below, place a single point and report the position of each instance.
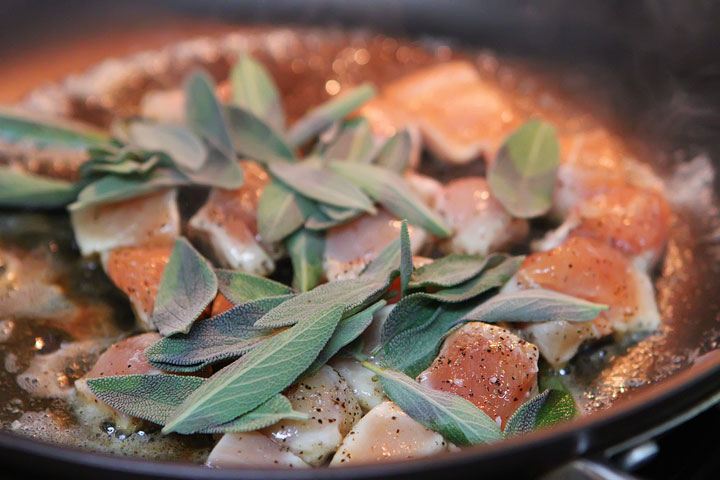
(522, 176)
(255, 139)
(184, 147)
(258, 375)
(449, 271)
(281, 211)
(188, 285)
(395, 154)
(452, 416)
(253, 89)
(204, 114)
(306, 248)
(22, 189)
(549, 408)
(240, 287)
(23, 127)
(354, 142)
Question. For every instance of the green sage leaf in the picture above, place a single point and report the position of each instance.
(188, 285)
(258, 375)
(535, 306)
(281, 211)
(204, 114)
(392, 192)
(406, 261)
(346, 332)
(395, 154)
(255, 139)
(183, 146)
(450, 270)
(253, 89)
(321, 185)
(327, 216)
(240, 287)
(450, 415)
(549, 408)
(150, 397)
(218, 171)
(306, 248)
(321, 117)
(22, 189)
(267, 413)
(522, 176)
(222, 337)
(354, 142)
(24, 127)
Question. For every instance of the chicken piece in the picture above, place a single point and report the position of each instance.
(251, 449)
(480, 223)
(594, 271)
(220, 305)
(593, 161)
(460, 115)
(351, 246)
(333, 410)
(488, 366)
(148, 220)
(137, 271)
(126, 357)
(227, 223)
(386, 120)
(632, 220)
(385, 434)
(168, 106)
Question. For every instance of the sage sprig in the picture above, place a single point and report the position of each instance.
(546, 409)
(522, 175)
(452, 416)
(188, 285)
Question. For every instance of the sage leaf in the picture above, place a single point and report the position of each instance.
(549, 408)
(406, 262)
(240, 287)
(306, 249)
(415, 328)
(354, 142)
(22, 189)
(114, 188)
(204, 114)
(254, 90)
(188, 285)
(321, 117)
(150, 397)
(392, 192)
(450, 270)
(183, 146)
(522, 176)
(154, 397)
(258, 375)
(388, 262)
(536, 305)
(281, 211)
(222, 337)
(327, 216)
(321, 185)
(450, 415)
(267, 413)
(23, 127)
(499, 270)
(254, 139)
(218, 171)
(346, 332)
(395, 154)
(352, 294)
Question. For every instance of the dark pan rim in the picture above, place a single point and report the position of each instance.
(650, 411)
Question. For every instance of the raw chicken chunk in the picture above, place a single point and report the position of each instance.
(227, 224)
(137, 271)
(487, 365)
(387, 433)
(148, 220)
(480, 223)
(351, 246)
(333, 410)
(592, 270)
(251, 449)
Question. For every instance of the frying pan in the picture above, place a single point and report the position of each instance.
(658, 61)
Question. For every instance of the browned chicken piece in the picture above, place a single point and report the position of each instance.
(351, 246)
(227, 224)
(137, 271)
(386, 434)
(488, 366)
(459, 114)
(592, 270)
(479, 222)
(148, 220)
